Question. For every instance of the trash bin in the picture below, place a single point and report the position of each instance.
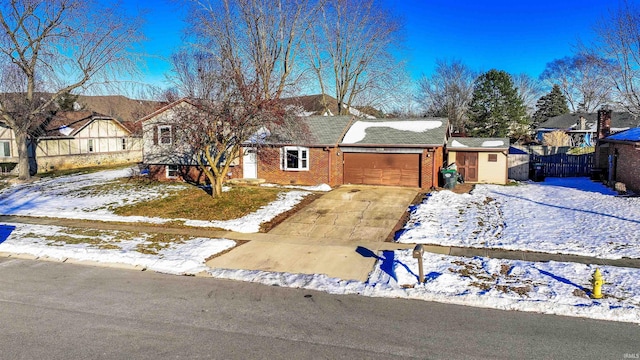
(536, 173)
(450, 177)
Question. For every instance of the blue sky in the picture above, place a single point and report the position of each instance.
(516, 36)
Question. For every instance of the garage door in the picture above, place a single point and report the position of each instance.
(382, 169)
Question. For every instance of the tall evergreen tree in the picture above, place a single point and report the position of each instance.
(496, 110)
(550, 105)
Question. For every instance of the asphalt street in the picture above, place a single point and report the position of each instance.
(62, 311)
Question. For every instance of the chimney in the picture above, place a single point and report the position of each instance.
(604, 122)
(582, 123)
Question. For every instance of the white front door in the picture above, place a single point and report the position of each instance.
(249, 164)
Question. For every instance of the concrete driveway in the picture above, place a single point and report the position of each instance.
(338, 235)
(349, 214)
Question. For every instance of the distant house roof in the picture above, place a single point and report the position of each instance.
(311, 105)
(619, 121)
(631, 135)
(464, 143)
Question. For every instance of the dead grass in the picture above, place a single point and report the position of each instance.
(482, 279)
(104, 239)
(195, 203)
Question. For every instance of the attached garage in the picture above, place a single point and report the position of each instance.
(382, 169)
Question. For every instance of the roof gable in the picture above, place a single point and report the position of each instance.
(70, 123)
(167, 108)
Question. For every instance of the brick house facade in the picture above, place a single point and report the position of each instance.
(331, 150)
(622, 154)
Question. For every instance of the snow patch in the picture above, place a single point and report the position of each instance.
(358, 130)
(493, 143)
(456, 143)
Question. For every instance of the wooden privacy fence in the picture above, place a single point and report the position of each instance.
(565, 165)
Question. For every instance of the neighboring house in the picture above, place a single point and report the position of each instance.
(583, 127)
(622, 151)
(332, 150)
(166, 155)
(77, 139)
(480, 160)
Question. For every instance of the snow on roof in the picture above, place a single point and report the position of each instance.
(456, 143)
(358, 130)
(493, 143)
(65, 130)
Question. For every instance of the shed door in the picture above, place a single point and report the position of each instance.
(467, 163)
(382, 169)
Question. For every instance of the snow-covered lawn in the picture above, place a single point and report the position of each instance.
(560, 215)
(549, 288)
(177, 256)
(88, 197)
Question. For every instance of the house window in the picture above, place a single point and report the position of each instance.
(5, 148)
(164, 134)
(124, 144)
(294, 158)
(493, 157)
(172, 171)
(90, 145)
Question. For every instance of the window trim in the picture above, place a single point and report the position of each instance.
(492, 157)
(304, 159)
(170, 137)
(172, 168)
(6, 145)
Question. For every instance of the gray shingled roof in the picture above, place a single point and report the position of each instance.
(330, 130)
(478, 143)
(326, 130)
(619, 120)
(389, 132)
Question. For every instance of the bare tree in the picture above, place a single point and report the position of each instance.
(350, 50)
(583, 79)
(259, 39)
(242, 63)
(448, 92)
(529, 89)
(617, 46)
(49, 48)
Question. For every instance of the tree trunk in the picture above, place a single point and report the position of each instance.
(24, 171)
(216, 190)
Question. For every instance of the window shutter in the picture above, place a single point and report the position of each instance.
(156, 130)
(282, 158)
(173, 135)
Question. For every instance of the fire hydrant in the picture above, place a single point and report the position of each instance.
(597, 281)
